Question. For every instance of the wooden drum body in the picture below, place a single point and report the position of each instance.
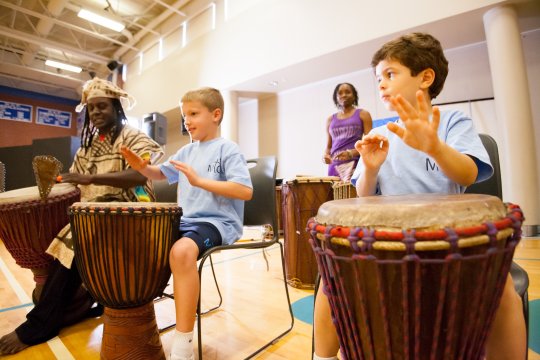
(414, 277)
(28, 225)
(301, 199)
(122, 253)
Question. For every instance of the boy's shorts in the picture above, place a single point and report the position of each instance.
(204, 234)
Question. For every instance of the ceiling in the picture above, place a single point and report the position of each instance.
(32, 31)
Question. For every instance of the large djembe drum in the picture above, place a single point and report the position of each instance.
(301, 198)
(122, 253)
(414, 276)
(28, 225)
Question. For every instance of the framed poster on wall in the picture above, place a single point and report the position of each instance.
(15, 111)
(53, 117)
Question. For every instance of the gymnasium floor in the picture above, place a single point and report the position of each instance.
(254, 307)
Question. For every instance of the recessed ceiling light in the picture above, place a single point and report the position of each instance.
(63, 66)
(101, 20)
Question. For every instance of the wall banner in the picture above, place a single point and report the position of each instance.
(53, 117)
(15, 111)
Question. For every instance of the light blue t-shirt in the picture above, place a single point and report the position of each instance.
(217, 159)
(409, 171)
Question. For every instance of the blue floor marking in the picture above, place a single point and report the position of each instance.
(16, 307)
(534, 325)
(303, 309)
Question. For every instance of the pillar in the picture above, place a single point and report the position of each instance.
(513, 107)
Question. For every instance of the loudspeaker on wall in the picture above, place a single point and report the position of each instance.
(155, 126)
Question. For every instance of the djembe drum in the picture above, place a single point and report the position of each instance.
(122, 253)
(28, 225)
(301, 199)
(415, 276)
(343, 190)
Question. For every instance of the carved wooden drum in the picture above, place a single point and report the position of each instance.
(122, 253)
(28, 225)
(416, 276)
(301, 199)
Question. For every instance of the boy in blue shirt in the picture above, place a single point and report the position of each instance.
(213, 183)
(425, 151)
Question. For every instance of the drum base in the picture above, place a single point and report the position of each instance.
(131, 334)
(299, 284)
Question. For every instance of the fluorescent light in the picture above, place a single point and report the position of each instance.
(63, 66)
(101, 20)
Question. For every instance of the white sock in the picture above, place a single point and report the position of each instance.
(182, 346)
(315, 357)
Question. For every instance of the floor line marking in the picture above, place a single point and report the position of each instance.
(58, 348)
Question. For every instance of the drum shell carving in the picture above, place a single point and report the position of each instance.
(122, 249)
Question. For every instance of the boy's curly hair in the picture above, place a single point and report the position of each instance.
(417, 51)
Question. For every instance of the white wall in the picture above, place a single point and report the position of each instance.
(248, 128)
(256, 41)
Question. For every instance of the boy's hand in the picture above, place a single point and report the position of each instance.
(419, 132)
(188, 171)
(373, 149)
(134, 160)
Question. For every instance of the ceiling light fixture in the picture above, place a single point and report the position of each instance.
(101, 20)
(63, 66)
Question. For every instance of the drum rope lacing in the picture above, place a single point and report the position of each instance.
(362, 239)
(512, 220)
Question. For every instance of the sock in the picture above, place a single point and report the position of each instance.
(182, 346)
(315, 357)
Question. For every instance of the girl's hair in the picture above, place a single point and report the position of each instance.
(209, 97)
(417, 51)
(355, 94)
(89, 131)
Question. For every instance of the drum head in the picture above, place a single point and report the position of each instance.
(32, 193)
(415, 211)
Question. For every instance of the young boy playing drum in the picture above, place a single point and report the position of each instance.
(213, 182)
(425, 151)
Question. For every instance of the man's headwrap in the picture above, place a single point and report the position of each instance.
(102, 88)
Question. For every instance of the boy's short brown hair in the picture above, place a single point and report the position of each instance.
(209, 97)
(417, 51)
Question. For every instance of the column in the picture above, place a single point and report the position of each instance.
(512, 103)
(229, 125)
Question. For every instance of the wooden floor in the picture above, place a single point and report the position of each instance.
(254, 308)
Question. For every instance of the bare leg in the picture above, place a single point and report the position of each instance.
(183, 260)
(325, 335)
(507, 339)
(10, 344)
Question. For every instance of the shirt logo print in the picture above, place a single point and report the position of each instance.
(216, 167)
